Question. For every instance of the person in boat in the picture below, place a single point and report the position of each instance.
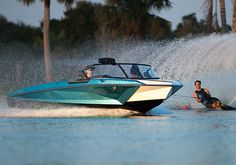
(89, 71)
(86, 73)
(135, 72)
(202, 95)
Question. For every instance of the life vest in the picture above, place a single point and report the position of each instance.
(203, 96)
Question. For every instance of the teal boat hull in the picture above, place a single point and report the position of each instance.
(101, 92)
(92, 92)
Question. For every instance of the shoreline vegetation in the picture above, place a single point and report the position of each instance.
(95, 22)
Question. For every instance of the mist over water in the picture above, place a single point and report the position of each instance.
(211, 59)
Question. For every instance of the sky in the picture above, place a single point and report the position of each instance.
(32, 15)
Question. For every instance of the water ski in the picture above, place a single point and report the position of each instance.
(227, 107)
(218, 105)
(222, 107)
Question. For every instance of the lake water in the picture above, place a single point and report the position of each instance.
(175, 137)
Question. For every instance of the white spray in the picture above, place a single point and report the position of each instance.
(211, 59)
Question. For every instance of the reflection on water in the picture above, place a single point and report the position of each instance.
(183, 137)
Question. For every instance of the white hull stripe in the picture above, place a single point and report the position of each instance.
(156, 82)
(150, 93)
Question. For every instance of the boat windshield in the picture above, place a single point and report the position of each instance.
(139, 71)
(133, 71)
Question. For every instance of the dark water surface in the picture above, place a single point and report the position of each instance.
(182, 137)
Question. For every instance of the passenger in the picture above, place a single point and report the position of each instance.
(89, 71)
(135, 72)
(202, 95)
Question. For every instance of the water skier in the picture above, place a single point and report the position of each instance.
(202, 95)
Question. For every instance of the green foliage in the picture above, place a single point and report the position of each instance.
(158, 28)
(11, 32)
(67, 3)
(131, 18)
(80, 22)
(57, 34)
(91, 22)
(147, 4)
(119, 19)
(189, 25)
(79, 25)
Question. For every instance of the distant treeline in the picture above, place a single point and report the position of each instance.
(93, 22)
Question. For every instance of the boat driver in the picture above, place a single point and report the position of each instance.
(202, 95)
(135, 72)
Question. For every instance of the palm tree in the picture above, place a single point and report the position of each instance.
(132, 15)
(209, 18)
(234, 17)
(223, 15)
(215, 18)
(46, 39)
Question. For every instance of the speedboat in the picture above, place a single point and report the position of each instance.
(130, 86)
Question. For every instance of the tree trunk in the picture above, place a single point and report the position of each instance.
(209, 19)
(234, 17)
(46, 40)
(223, 15)
(215, 19)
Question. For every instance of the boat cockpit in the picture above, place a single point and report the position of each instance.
(108, 68)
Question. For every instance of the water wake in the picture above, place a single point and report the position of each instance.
(65, 112)
(211, 59)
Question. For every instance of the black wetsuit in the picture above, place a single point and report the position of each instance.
(206, 99)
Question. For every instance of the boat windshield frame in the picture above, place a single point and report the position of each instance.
(128, 70)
